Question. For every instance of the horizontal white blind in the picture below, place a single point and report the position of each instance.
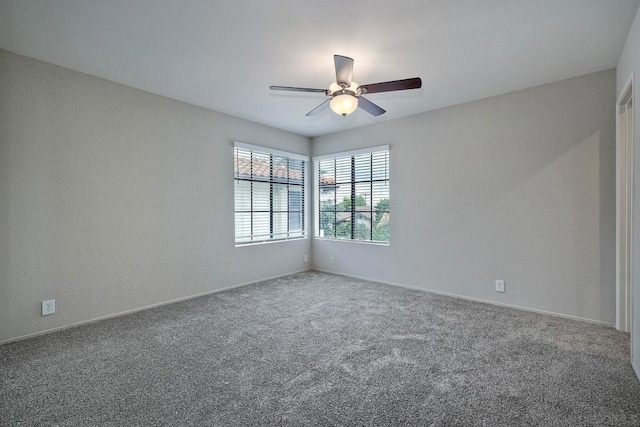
(269, 194)
(353, 196)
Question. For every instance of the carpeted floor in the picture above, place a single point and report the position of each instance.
(315, 349)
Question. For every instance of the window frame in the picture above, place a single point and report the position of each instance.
(303, 188)
(317, 192)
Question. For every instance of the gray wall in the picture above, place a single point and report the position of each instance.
(519, 187)
(630, 63)
(112, 199)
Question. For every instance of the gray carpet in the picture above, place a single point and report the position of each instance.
(315, 349)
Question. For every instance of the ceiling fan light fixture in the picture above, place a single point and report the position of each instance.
(343, 104)
(346, 95)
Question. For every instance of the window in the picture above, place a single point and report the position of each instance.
(269, 194)
(353, 195)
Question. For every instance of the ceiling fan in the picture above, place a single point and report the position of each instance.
(346, 95)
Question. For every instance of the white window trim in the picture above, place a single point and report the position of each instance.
(350, 153)
(295, 156)
(268, 150)
(316, 189)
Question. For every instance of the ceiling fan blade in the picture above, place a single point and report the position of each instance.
(298, 89)
(344, 69)
(370, 107)
(414, 83)
(319, 108)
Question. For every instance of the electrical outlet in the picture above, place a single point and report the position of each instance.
(499, 285)
(305, 258)
(333, 260)
(48, 307)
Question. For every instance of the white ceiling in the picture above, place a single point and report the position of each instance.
(223, 55)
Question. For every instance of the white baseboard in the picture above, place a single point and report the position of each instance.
(146, 307)
(518, 307)
(636, 370)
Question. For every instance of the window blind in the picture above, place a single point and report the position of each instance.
(353, 195)
(269, 194)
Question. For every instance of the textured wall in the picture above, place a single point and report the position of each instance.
(630, 63)
(519, 187)
(113, 199)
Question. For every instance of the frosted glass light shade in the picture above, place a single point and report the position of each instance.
(344, 104)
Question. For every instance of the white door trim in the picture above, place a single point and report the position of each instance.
(624, 207)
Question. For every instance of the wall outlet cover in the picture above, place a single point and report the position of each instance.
(48, 307)
(499, 285)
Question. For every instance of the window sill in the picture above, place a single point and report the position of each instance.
(363, 242)
(266, 242)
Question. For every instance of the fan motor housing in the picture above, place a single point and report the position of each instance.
(353, 90)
